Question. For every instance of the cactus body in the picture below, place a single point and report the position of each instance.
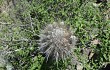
(57, 41)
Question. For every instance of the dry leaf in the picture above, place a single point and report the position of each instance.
(90, 55)
(95, 42)
(79, 67)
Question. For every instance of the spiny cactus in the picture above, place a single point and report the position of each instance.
(57, 41)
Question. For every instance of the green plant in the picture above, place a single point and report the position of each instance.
(21, 24)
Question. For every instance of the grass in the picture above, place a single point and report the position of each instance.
(27, 18)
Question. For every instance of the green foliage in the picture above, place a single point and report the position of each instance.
(37, 61)
(20, 25)
(1, 2)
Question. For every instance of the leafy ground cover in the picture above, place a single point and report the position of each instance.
(22, 20)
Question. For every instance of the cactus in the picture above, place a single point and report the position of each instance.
(57, 41)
